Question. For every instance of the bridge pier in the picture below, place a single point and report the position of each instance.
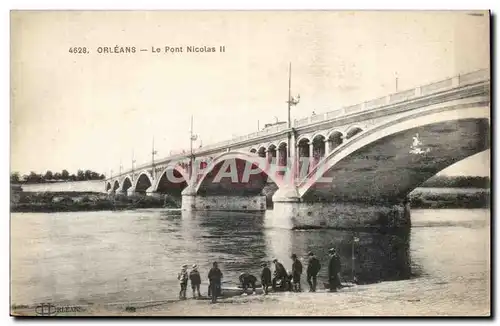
(155, 194)
(290, 212)
(131, 191)
(223, 203)
(194, 202)
(120, 192)
(152, 193)
(339, 215)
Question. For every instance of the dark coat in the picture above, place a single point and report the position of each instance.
(215, 274)
(265, 276)
(334, 265)
(296, 267)
(195, 278)
(280, 271)
(247, 279)
(313, 266)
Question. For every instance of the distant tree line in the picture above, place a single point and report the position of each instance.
(444, 181)
(64, 175)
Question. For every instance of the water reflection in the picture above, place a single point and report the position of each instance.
(368, 256)
(233, 239)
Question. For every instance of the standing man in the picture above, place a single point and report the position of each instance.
(183, 280)
(334, 267)
(215, 277)
(313, 267)
(279, 274)
(296, 273)
(195, 278)
(265, 277)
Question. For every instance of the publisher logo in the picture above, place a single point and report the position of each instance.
(48, 309)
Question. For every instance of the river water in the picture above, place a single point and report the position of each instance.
(134, 256)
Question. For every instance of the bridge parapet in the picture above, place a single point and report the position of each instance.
(402, 96)
(432, 88)
(475, 76)
(353, 109)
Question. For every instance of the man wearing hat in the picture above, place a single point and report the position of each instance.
(183, 279)
(313, 267)
(334, 267)
(280, 274)
(265, 277)
(195, 278)
(215, 278)
(296, 273)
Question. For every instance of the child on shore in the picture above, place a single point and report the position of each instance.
(195, 278)
(183, 279)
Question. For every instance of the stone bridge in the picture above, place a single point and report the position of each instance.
(327, 168)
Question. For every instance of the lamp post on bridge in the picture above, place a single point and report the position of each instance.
(192, 138)
(292, 155)
(133, 161)
(153, 153)
(291, 100)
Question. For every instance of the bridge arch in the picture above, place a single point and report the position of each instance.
(389, 159)
(282, 143)
(352, 131)
(334, 133)
(319, 134)
(302, 137)
(108, 186)
(253, 150)
(215, 180)
(126, 184)
(172, 180)
(143, 182)
(319, 148)
(282, 155)
(116, 185)
(273, 144)
(261, 152)
(272, 153)
(334, 139)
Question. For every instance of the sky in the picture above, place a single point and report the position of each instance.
(91, 111)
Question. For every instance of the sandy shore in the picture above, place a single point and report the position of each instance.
(417, 297)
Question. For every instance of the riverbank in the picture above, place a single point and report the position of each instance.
(450, 198)
(47, 202)
(415, 297)
(403, 298)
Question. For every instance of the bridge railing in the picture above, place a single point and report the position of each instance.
(434, 87)
(473, 77)
(402, 96)
(405, 95)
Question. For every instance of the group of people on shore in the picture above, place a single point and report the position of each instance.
(282, 280)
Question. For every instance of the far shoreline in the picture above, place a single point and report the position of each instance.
(52, 202)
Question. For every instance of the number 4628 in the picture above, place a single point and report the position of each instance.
(78, 50)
